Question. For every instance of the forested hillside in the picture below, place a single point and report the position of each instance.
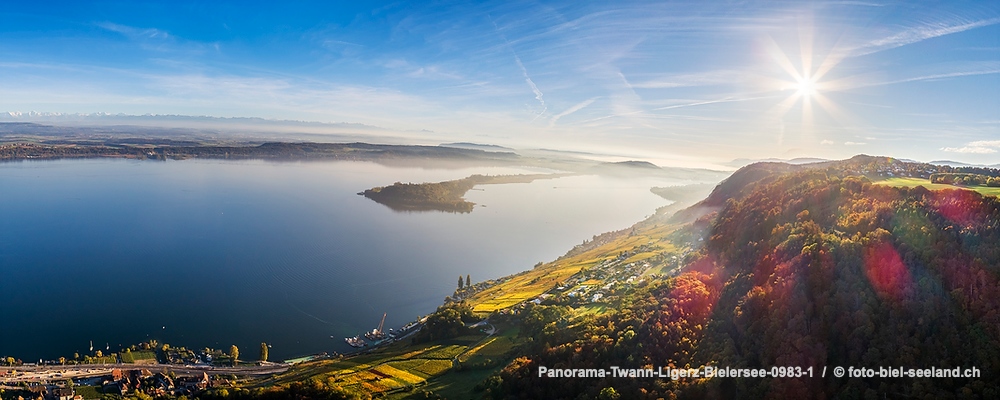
(811, 266)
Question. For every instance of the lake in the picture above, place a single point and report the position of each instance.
(204, 253)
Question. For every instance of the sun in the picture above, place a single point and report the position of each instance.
(806, 87)
(809, 83)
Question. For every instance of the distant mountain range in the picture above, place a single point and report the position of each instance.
(478, 146)
(742, 162)
(115, 119)
(962, 164)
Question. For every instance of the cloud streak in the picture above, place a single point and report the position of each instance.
(579, 106)
(919, 34)
(133, 32)
(995, 70)
(722, 77)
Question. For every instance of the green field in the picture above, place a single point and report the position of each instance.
(400, 369)
(914, 182)
(130, 357)
(89, 392)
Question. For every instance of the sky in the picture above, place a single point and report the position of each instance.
(676, 82)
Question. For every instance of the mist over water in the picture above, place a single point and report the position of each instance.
(203, 253)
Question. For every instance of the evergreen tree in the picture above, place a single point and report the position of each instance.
(263, 351)
(460, 282)
(468, 281)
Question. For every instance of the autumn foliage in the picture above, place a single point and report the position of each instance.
(807, 268)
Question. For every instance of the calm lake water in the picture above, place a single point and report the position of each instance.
(204, 253)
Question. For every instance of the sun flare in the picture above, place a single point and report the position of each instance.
(806, 87)
(806, 83)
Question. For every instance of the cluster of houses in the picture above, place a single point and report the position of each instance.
(158, 384)
(60, 391)
(599, 283)
(893, 168)
(124, 382)
(583, 288)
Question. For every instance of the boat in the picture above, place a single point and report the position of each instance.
(356, 341)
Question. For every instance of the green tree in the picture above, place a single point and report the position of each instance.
(140, 395)
(234, 353)
(468, 280)
(609, 393)
(460, 282)
(263, 351)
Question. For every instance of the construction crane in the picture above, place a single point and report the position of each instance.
(377, 333)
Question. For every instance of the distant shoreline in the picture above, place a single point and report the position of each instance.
(278, 151)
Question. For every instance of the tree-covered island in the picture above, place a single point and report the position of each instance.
(447, 196)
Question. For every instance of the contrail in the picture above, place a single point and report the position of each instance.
(524, 71)
(571, 110)
(699, 103)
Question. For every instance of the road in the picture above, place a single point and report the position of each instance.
(62, 372)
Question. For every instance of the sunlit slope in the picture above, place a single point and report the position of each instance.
(530, 284)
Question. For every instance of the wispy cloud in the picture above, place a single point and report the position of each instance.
(729, 99)
(720, 77)
(934, 72)
(977, 147)
(421, 71)
(133, 32)
(160, 41)
(920, 33)
(985, 71)
(855, 3)
(826, 142)
(706, 102)
(854, 143)
(577, 107)
(969, 150)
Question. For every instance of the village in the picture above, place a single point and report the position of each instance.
(178, 371)
(94, 381)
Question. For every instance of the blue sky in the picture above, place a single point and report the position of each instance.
(675, 82)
